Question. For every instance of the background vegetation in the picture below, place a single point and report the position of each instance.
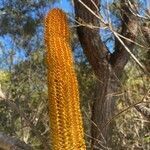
(23, 87)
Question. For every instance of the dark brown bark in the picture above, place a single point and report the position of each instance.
(106, 70)
(96, 53)
(93, 47)
(129, 28)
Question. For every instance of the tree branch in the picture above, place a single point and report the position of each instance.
(129, 30)
(90, 40)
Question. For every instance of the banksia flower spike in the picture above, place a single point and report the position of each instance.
(65, 115)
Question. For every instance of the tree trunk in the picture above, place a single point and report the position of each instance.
(102, 112)
(107, 69)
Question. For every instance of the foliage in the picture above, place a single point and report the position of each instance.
(131, 131)
(24, 112)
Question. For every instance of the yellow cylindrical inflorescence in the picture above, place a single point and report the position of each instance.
(65, 115)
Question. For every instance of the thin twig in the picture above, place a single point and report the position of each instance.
(131, 54)
(124, 110)
(117, 36)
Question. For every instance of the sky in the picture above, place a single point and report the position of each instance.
(7, 42)
(68, 8)
(65, 5)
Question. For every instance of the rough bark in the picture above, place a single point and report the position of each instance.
(105, 69)
(96, 53)
(129, 30)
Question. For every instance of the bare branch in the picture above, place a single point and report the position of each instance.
(131, 54)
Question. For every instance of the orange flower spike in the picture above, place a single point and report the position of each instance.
(65, 115)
